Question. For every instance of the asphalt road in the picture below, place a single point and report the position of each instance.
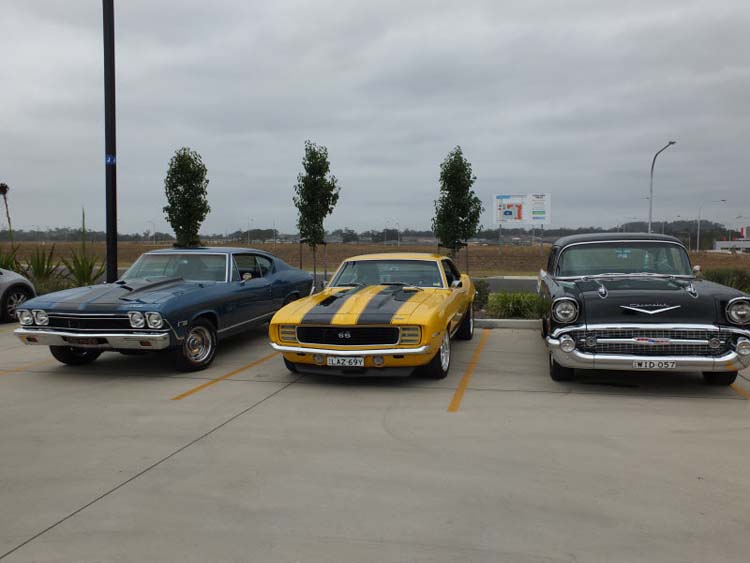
(128, 460)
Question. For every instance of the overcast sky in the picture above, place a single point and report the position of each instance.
(571, 98)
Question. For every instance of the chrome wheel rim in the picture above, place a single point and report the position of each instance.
(445, 352)
(199, 344)
(14, 300)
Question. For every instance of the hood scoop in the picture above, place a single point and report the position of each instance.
(132, 296)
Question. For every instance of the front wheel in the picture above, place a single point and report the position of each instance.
(72, 356)
(719, 377)
(291, 366)
(441, 362)
(466, 330)
(558, 372)
(13, 299)
(198, 348)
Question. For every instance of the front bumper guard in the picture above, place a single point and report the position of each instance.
(112, 340)
(359, 352)
(731, 361)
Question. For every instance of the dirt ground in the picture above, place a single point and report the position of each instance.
(483, 260)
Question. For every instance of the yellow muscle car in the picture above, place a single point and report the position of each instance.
(380, 314)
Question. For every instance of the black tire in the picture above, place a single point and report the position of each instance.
(292, 367)
(560, 373)
(439, 366)
(74, 356)
(134, 352)
(466, 330)
(14, 297)
(719, 377)
(198, 348)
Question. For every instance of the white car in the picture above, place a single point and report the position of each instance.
(14, 290)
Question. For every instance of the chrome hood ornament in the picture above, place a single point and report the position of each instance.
(650, 309)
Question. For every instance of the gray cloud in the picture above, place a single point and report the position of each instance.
(571, 98)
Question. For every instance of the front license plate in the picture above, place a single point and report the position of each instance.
(345, 362)
(83, 341)
(649, 364)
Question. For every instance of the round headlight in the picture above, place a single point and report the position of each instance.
(137, 319)
(154, 320)
(567, 344)
(565, 311)
(40, 317)
(25, 317)
(738, 312)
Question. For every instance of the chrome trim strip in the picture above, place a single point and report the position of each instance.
(115, 341)
(639, 342)
(655, 326)
(647, 312)
(353, 353)
(247, 321)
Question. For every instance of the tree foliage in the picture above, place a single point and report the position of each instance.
(457, 209)
(316, 194)
(187, 202)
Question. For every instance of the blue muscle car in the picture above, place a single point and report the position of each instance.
(182, 300)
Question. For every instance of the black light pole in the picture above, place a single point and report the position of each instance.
(110, 146)
(651, 188)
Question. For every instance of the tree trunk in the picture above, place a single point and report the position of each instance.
(315, 267)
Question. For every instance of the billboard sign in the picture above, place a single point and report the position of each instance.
(535, 209)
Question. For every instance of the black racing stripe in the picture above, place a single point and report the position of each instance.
(324, 311)
(384, 305)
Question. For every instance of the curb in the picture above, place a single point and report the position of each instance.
(523, 324)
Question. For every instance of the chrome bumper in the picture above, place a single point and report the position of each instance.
(352, 353)
(731, 361)
(112, 341)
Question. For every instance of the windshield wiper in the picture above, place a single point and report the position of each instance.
(350, 284)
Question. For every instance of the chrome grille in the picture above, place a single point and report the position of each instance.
(682, 342)
(89, 323)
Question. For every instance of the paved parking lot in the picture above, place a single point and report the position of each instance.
(128, 460)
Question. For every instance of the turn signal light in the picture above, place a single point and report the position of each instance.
(288, 333)
(410, 335)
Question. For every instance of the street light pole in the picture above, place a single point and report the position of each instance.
(651, 188)
(700, 210)
(110, 149)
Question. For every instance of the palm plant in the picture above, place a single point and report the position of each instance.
(9, 260)
(83, 269)
(40, 266)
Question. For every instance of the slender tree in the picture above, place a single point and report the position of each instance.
(186, 189)
(4, 189)
(316, 194)
(457, 209)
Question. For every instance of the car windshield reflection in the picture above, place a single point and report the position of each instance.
(624, 259)
(188, 266)
(417, 273)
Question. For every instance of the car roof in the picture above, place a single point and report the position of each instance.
(604, 237)
(206, 249)
(397, 256)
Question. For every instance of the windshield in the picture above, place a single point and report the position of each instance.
(633, 258)
(418, 273)
(188, 266)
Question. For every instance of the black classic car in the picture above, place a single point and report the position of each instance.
(633, 302)
(183, 300)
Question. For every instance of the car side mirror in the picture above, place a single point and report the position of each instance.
(455, 284)
(324, 284)
(697, 270)
(247, 276)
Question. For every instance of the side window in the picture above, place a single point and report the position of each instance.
(451, 274)
(247, 266)
(264, 265)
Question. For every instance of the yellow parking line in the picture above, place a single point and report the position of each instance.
(223, 377)
(464, 383)
(25, 367)
(740, 391)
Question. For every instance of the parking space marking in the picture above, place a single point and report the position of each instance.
(464, 383)
(223, 377)
(740, 391)
(25, 367)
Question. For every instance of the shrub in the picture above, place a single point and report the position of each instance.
(516, 306)
(40, 268)
(732, 277)
(82, 267)
(9, 259)
(483, 293)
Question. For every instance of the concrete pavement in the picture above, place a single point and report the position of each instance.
(101, 463)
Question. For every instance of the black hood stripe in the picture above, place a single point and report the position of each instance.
(323, 312)
(384, 305)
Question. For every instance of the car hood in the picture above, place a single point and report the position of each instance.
(375, 304)
(119, 295)
(651, 300)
